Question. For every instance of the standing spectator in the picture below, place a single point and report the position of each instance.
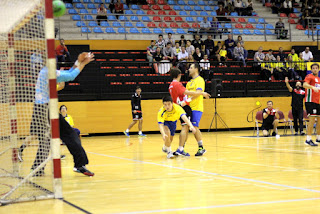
(205, 67)
(157, 57)
(266, 68)
(280, 30)
(62, 52)
(301, 66)
(198, 43)
(102, 14)
(209, 45)
(176, 49)
(217, 51)
(307, 55)
(282, 55)
(160, 43)
(182, 58)
(222, 12)
(118, 8)
(150, 51)
(270, 55)
(170, 39)
(259, 56)
(293, 55)
(290, 69)
(238, 7)
(215, 27)
(112, 5)
(230, 44)
(238, 54)
(168, 53)
(223, 54)
(240, 40)
(287, 7)
(279, 70)
(190, 48)
(183, 41)
(305, 19)
(205, 25)
(197, 56)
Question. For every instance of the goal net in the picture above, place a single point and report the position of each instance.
(26, 172)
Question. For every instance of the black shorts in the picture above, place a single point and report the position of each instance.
(137, 116)
(267, 125)
(40, 119)
(313, 109)
(188, 111)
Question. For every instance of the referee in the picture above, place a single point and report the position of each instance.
(298, 95)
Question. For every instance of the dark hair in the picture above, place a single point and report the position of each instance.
(174, 72)
(169, 43)
(160, 35)
(62, 107)
(197, 66)
(178, 43)
(270, 102)
(167, 99)
(219, 41)
(182, 36)
(152, 40)
(314, 64)
(169, 33)
(138, 87)
(270, 50)
(189, 40)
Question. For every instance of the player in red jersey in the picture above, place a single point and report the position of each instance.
(312, 86)
(179, 96)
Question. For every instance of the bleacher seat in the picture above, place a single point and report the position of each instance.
(145, 31)
(156, 19)
(152, 2)
(195, 25)
(197, 8)
(227, 25)
(241, 20)
(169, 30)
(97, 30)
(72, 11)
(199, 19)
(236, 32)
(76, 18)
(239, 26)
(108, 1)
(318, 27)
(98, 1)
(187, 8)
(259, 26)
(232, 19)
(257, 32)
(128, 24)
(134, 18)
(178, 19)
(93, 24)
(151, 24)
(183, 13)
(211, 3)
(185, 25)
(116, 24)
(167, 19)
(110, 30)
(156, 7)
(104, 24)
(123, 18)
(172, 13)
(87, 17)
(177, 8)
(134, 30)
(283, 15)
(140, 12)
(292, 21)
(295, 10)
(270, 27)
(80, 6)
(292, 15)
(157, 31)
(135, 7)
(76, 1)
(161, 12)
(234, 14)
(125, 7)
(84, 11)
(140, 24)
(247, 32)
(208, 8)
(269, 32)
(87, 1)
(180, 31)
(213, 13)
(174, 25)
(203, 13)
(94, 11)
(167, 7)
(193, 13)
(146, 19)
(145, 7)
(128, 12)
(308, 32)
(112, 18)
(91, 6)
(181, 2)
(81, 24)
(189, 19)
(161, 2)
(252, 20)
(250, 26)
(69, 6)
(299, 27)
(202, 3)
(261, 20)
(151, 12)
(210, 18)
(85, 30)
(122, 30)
(191, 3)
(171, 2)
(163, 25)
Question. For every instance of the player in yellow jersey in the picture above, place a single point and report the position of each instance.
(196, 84)
(168, 115)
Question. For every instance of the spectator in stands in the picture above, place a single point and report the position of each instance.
(118, 8)
(305, 19)
(222, 12)
(276, 5)
(190, 61)
(248, 10)
(287, 7)
(161, 43)
(198, 55)
(315, 15)
(112, 5)
(238, 54)
(209, 45)
(205, 67)
(279, 70)
(177, 49)
(150, 51)
(62, 52)
(182, 58)
(101, 14)
(270, 55)
(198, 43)
(240, 40)
(259, 56)
(215, 27)
(266, 68)
(183, 41)
(205, 25)
(293, 55)
(157, 57)
(307, 55)
(229, 6)
(170, 39)
(282, 55)
(190, 48)
(301, 66)
(223, 55)
(168, 53)
(230, 44)
(290, 66)
(280, 30)
(238, 7)
(216, 51)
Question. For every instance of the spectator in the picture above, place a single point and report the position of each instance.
(276, 5)
(249, 9)
(205, 67)
(170, 39)
(168, 53)
(102, 14)
(270, 56)
(238, 7)
(157, 57)
(176, 49)
(240, 40)
(216, 51)
(118, 8)
(279, 70)
(293, 55)
(160, 43)
(290, 66)
(208, 45)
(223, 54)
(229, 6)
(307, 55)
(301, 66)
(190, 48)
(150, 51)
(197, 42)
(270, 120)
(280, 30)
(305, 19)
(259, 56)
(282, 55)
(205, 25)
(190, 61)
(183, 41)
(222, 12)
(182, 58)
(215, 27)
(62, 52)
(112, 5)
(287, 7)
(266, 68)
(238, 54)
(197, 56)
(230, 44)
(315, 15)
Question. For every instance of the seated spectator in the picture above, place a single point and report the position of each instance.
(293, 55)
(270, 120)
(112, 5)
(190, 61)
(230, 44)
(279, 70)
(170, 39)
(183, 41)
(276, 5)
(248, 10)
(118, 8)
(62, 52)
(168, 53)
(176, 49)
(315, 15)
(150, 51)
(197, 42)
(290, 66)
(282, 55)
(208, 45)
(270, 55)
(182, 58)
(266, 69)
(68, 118)
(215, 28)
(190, 48)
(229, 6)
(259, 56)
(222, 12)
(238, 54)
(305, 19)
(240, 40)
(205, 67)
(198, 55)
(307, 55)
(205, 25)
(102, 14)
(280, 30)
(301, 66)
(238, 7)
(157, 57)
(223, 55)
(161, 43)
(215, 56)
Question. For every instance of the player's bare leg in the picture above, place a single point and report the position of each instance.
(275, 125)
(198, 137)
(126, 132)
(182, 141)
(167, 142)
(318, 130)
(309, 131)
(140, 129)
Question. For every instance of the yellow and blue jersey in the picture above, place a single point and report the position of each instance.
(173, 116)
(195, 84)
(69, 119)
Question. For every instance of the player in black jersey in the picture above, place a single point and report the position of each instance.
(136, 112)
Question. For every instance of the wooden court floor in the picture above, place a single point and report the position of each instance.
(236, 175)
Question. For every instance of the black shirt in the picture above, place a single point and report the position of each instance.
(196, 57)
(282, 55)
(270, 117)
(136, 102)
(209, 44)
(183, 42)
(197, 44)
(297, 98)
(157, 57)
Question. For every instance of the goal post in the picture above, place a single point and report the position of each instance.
(28, 103)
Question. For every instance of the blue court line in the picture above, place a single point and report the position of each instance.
(211, 173)
(218, 206)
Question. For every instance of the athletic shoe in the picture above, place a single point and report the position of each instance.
(75, 169)
(310, 143)
(170, 155)
(20, 155)
(126, 134)
(164, 150)
(302, 133)
(85, 171)
(274, 133)
(62, 157)
(317, 142)
(178, 152)
(296, 133)
(142, 135)
(200, 152)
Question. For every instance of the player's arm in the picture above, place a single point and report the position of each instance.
(60, 86)
(133, 105)
(308, 86)
(266, 114)
(287, 84)
(188, 122)
(197, 93)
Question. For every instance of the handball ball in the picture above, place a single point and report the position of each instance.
(258, 103)
(82, 56)
(59, 8)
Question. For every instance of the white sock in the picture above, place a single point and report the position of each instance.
(308, 137)
(200, 143)
(127, 130)
(318, 137)
(168, 149)
(140, 132)
(180, 148)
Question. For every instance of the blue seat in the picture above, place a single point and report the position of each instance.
(104, 24)
(269, 32)
(125, 7)
(247, 32)
(93, 24)
(72, 11)
(208, 8)
(112, 18)
(210, 18)
(80, 6)
(134, 30)
(87, 17)
(308, 32)
(116, 24)
(76, 1)
(259, 26)
(91, 6)
(128, 12)
(261, 20)
(189, 19)
(108, 11)
(97, 30)
(254, 13)
(85, 30)
(202, 3)
(146, 19)
(270, 27)
(187, 8)
(257, 32)
(236, 32)
(211, 3)
(204, 13)
(107, 1)
(69, 6)
(177, 8)
(128, 24)
(110, 30)
(87, 1)
(98, 1)
(183, 13)
(94, 11)
(234, 14)
(251, 20)
(191, 2)
(169, 30)
(295, 10)
(83, 11)
(135, 7)
(145, 30)
(140, 24)
(181, 2)
(180, 31)
(171, 2)
(81, 24)
(214, 13)
(318, 27)
(134, 18)
(228, 25)
(122, 30)
(76, 18)
(199, 19)
(197, 8)
(216, 7)
(191, 31)
(123, 18)
(157, 31)
(193, 13)
(140, 12)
